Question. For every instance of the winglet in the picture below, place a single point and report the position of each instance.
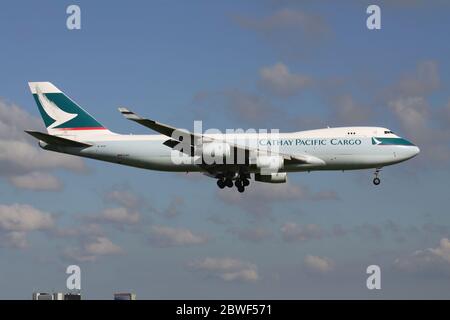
(129, 114)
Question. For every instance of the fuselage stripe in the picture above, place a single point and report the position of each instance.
(82, 128)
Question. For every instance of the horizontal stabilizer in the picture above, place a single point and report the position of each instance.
(54, 140)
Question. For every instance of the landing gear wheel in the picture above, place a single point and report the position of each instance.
(221, 183)
(246, 182)
(376, 181)
(229, 183)
(241, 189)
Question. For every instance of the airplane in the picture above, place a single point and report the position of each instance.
(231, 158)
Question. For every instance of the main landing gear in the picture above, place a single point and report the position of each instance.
(240, 181)
(222, 183)
(376, 180)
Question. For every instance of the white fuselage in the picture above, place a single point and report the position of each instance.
(345, 148)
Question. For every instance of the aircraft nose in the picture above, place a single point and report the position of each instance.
(412, 152)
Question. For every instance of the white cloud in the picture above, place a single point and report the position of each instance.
(227, 269)
(20, 154)
(17, 220)
(162, 236)
(412, 112)
(102, 246)
(14, 239)
(37, 181)
(407, 99)
(433, 261)
(278, 80)
(92, 249)
(443, 250)
(293, 232)
(120, 216)
(23, 217)
(316, 264)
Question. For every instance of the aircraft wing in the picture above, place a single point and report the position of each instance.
(168, 131)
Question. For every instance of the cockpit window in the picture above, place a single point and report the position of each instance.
(388, 132)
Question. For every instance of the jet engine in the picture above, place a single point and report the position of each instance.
(279, 177)
(269, 163)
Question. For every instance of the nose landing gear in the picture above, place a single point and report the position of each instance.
(376, 180)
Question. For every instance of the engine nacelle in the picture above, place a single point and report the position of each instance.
(270, 163)
(279, 177)
(215, 152)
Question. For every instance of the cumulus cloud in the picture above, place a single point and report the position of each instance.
(20, 156)
(13, 239)
(316, 264)
(227, 269)
(119, 216)
(412, 112)
(92, 249)
(163, 236)
(37, 181)
(278, 80)
(260, 197)
(431, 261)
(23, 217)
(407, 100)
(294, 232)
(102, 246)
(17, 220)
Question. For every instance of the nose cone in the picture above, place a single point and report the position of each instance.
(410, 152)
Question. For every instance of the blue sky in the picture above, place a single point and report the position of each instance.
(233, 64)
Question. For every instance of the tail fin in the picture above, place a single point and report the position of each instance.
(60, 113)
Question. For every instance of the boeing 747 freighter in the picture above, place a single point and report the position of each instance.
(231, 158)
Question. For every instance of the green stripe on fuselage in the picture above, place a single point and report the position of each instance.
(391, 141)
